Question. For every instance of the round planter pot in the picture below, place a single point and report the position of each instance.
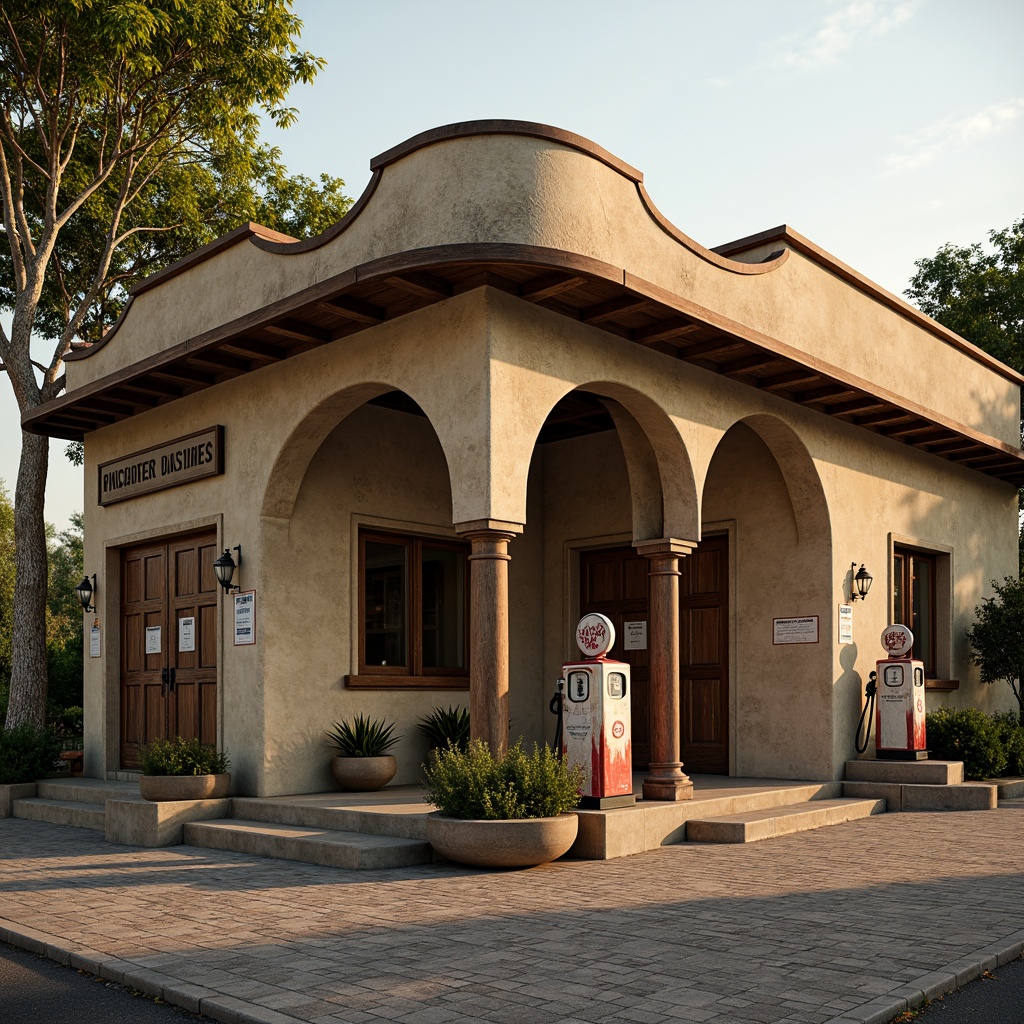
(364, 774)
(509, 843)
(184, 787)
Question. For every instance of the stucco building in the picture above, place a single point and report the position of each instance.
(502, 391)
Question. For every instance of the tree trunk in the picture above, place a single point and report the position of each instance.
(28, 642)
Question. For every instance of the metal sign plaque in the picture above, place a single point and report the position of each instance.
(180, 461)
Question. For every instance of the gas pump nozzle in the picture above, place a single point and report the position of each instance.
(557, 707)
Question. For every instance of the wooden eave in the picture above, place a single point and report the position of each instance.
(577, 287)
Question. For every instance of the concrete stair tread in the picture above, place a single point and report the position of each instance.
(76, 813)
(751, 826)
(312, 844)
(319, 812)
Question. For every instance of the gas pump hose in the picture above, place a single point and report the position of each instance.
(870, 688)
(555, 706)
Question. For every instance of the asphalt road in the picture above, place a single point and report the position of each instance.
(997, 998)
(34, 989)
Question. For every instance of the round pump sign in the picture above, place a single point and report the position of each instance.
(595, 635)
(897, 640)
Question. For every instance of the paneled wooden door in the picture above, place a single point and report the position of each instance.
(168, 668)
(614, 581)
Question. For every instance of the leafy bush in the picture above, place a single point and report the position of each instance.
(445, 728)
(473, 784)
(362, 737)
(1011, 735)
(27, 753)
(968, 735)
(67, 723)
(182, 757)
(997, 638)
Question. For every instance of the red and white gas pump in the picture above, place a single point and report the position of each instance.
(900, 709)
(596, 729)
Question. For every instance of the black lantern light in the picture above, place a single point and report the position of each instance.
(224, 567)
(860, 583)
(85, 590)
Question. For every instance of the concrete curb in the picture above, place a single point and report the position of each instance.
(216, 1005)
(232, 1010)
(929, 987)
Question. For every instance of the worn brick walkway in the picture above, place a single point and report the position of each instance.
(843, 924)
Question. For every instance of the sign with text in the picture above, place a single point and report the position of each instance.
(180, 461)
(802, 629)
(186, 634)
(245, 618)
(634, 636)
(846, 623)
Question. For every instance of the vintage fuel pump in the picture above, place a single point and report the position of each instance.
(596, 722)
(900, 714)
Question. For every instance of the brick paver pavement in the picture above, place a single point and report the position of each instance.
(842, 924)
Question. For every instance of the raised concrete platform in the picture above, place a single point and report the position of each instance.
(398, 811)
(76, 813)
(919, 785)
(10, 792)
(751, 826)
(352, 850)
(935, 773)
(141, 822)
(1009, 789)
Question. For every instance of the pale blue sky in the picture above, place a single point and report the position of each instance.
(880, 129)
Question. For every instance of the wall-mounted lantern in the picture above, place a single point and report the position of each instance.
(85, 590)
(860, 583)
(224, 567)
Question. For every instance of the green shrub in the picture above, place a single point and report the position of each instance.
(27, 753)
(182, 757)
(968, 735)
(363, 737)
(445, 728)
(473, 784)
(67, 723)
(1011, 735)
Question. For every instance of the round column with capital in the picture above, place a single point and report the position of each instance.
(666, 780)
(488, 629)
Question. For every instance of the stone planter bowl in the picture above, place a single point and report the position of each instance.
(363, 774)
(184, 787)
(508, 843)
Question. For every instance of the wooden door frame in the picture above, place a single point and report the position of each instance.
(109, 603)
(717, 528)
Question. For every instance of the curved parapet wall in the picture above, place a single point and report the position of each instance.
(528, 189)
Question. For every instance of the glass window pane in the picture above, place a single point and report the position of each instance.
(922, 624)
(443, 608)
(385, 599)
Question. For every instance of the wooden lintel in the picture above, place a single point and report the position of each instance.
(354, 309)
(548, 285)
(746, 364)
(677, 327)
(426, 286)
(621, 305)
(299, 331)
(791, 378)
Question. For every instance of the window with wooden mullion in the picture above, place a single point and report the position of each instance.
(913, 602)
(413, 608)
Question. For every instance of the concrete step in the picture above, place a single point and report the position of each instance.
(89, 791)
(76, 813)
(1009, 789)
(320, 811)
(353, 850)
(924, 773)
(751, 826)
(965, 796)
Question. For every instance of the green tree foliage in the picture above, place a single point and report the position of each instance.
(128, 137)
(979, 294)
(997, 637)
(64, 621)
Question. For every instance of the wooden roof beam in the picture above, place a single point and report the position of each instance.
(665, 330)
(175, 371)
(298, 331)
(255, 350)
(621, 305)
(153, 387)
(712, 347)
(855, 405)
(789, 379)
(826, 391)
(425, 286)
(747, 363)
(354, 309)
(220, 360)
(961, 444)
(547, 286)
(891, 415)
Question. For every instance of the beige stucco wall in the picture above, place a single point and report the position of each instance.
(297, 482)
(472, 190)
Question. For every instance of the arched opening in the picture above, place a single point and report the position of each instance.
(763, 499)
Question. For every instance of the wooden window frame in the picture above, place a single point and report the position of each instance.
(904, 556)
(414, 675)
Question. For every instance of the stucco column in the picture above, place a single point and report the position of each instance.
(666, 780)
(488, 629)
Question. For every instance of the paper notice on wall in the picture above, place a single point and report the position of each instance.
(846, 623)
(802, 629)
(94, 641)
(187, 634)
(634, 636)
(245, 618)
(153, 640)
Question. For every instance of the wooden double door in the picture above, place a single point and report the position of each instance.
(169, 597)
(614, 582)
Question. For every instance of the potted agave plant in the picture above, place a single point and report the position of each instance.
(183, 769)
(501, 812)
(445, 727)
(363, 763)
